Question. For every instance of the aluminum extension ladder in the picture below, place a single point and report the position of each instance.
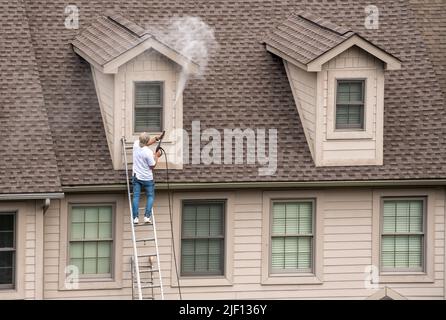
(144, 262)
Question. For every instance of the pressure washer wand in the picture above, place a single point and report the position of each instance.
(158, 147)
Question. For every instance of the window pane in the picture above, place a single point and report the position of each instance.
(147, 94)
(292, 218)
(279, 218)
(90, 265)
(305, 253)
(148, 119)
(6, 222)
(402, 251)
(278, 252)
(105, 214)
(91, 230)
(349, 116)
(91, 214)
(402, 216)
(202, 256)
(104, 265)
(90, 249)
(350, 92)
(6, 267)
(77, 214)
(79, 263)
(77, 231)
(6, 239)
(104, 249)
(76, 250)
(105, 230)
(306, 218)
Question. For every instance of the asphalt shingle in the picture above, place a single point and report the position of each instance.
(244, 86)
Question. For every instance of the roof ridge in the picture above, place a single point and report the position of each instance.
(322, 23)
(126, 24)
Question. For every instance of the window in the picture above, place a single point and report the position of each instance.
(148, 106)
(292, 236)
(402, 243)
(350, 104)
(202, 238)
(7, 250)
(91, 239)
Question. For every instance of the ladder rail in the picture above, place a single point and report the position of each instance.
(132, 227)
(157, 256)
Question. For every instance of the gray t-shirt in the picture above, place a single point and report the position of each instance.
(142, 161)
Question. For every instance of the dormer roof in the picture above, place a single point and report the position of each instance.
(309, 41)
(112, 40)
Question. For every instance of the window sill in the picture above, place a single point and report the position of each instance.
(345, 134)
(405, 277)
(291, 278)
(218, 281)
(94, 283)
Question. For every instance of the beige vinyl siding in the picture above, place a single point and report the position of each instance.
(303, 86)
(334, 147)
(104, 84)
(29, 233)
(346, 250)
(148, 66)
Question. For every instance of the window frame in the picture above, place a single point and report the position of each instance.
(424, 234)
(222, 238)
(112, 273)
(297, 271)
(162, 106)
(13, 285)
(348, 127)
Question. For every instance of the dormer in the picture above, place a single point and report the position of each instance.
(337, 80)
(135, 76)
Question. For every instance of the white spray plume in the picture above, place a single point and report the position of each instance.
(191, 37)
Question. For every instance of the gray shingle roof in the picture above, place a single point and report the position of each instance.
(27, 159)
(244, 86)
(304, 36)
(108, 37)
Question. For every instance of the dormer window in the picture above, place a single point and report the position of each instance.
(337, 80)
(148, 106)
(350, 104)
(136, 80)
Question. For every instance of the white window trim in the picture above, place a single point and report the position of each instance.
(427, 275)
(316, 276)
(92, 282)
(205, 280)
(168, 99)
(21, 211)
(370, 103)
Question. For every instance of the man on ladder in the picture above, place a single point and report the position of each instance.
(144, 160)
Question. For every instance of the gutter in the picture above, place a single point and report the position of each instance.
(31, 196)
(262, 185)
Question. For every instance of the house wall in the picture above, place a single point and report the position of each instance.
(334, 147)
(115, 96)
(148, 66)
(303, 86)
(345, 224)
(29, 236)
(104, 84)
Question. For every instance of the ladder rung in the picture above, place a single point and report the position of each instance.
(129, 147)
(145, 239)
(148, 271)
(147, 255)
(150, 286)
(143, 224)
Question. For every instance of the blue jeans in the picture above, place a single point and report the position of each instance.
(149, 186)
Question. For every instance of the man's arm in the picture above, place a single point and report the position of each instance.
(153, 140)
(156, 157)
